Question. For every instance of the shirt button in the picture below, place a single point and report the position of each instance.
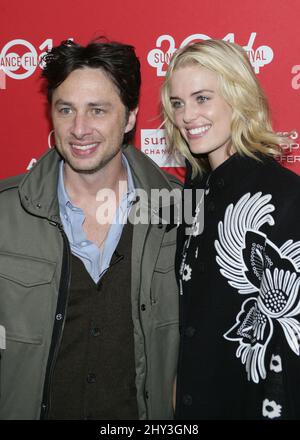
(95, 331)
(83, 243)
(187, 400)
(58, 317)
(189, 332)
(91, 378)
(143, 307)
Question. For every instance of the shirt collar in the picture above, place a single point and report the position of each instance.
(130, 185)
(63, 197)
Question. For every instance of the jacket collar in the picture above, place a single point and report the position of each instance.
(38, 189)
(231, 173)
(148, 176)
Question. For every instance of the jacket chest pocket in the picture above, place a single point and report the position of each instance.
(24, 296)
(164, 289)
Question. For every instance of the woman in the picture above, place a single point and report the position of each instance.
(239, 278)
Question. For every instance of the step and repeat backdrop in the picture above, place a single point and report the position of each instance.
(267, 29)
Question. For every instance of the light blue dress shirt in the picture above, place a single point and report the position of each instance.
(95, 259)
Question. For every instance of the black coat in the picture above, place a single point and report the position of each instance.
(240, 296)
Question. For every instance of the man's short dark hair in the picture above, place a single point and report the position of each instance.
(117, 60)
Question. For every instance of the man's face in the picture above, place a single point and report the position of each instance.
(89, 120)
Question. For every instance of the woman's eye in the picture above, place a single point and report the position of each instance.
(202, 98)
(176, 104)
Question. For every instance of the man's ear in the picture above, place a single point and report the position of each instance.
(131, 119)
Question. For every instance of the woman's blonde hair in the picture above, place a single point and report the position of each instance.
(251, 129)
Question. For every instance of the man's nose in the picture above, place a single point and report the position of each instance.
(81, 126)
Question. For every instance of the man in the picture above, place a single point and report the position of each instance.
(88, 300)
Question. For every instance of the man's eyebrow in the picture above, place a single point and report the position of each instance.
(99, 104)
(62, 102)
(89, 104)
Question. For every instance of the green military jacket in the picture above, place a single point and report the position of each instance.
(33, 271)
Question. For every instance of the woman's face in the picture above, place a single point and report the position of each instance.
(200, 113)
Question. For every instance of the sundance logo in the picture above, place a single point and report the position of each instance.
(153, 144)
(19, 58)
(160, 56)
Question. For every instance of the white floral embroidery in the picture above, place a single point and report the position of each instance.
(187, 273)
(253, 331)
(275, 363)
(249, 214)
(291, 250)
(254, 264)
(271, 409)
